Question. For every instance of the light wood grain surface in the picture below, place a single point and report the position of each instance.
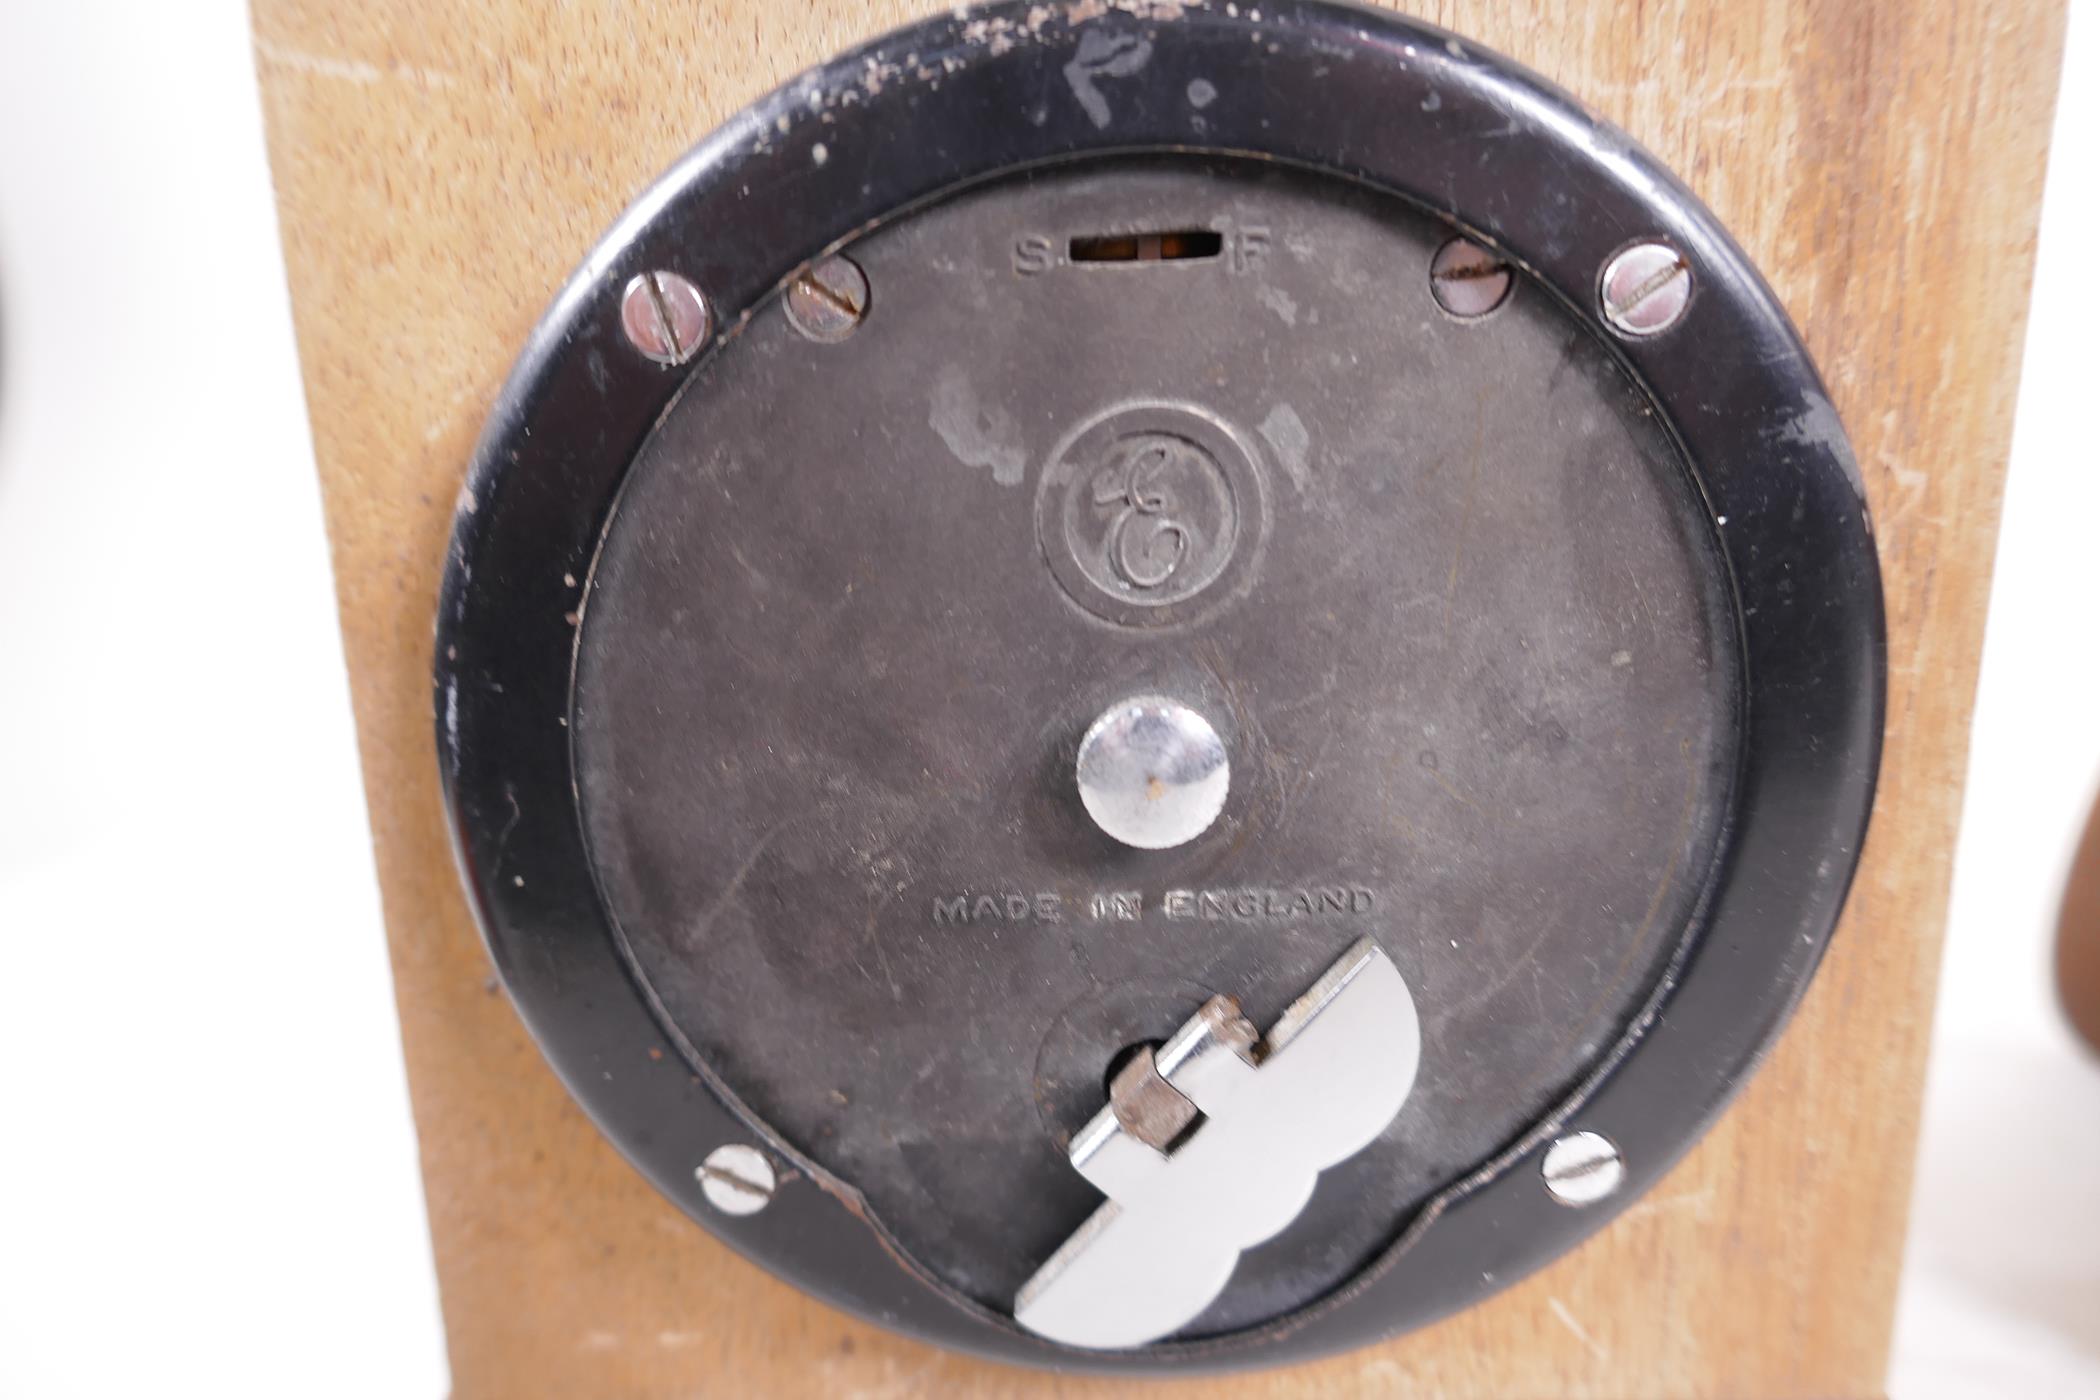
(440, 166)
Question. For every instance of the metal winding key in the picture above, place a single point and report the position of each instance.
(1332, 1073)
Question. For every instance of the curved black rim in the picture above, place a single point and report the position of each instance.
(1363, 95)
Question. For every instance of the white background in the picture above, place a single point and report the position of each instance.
(2001, 1291)
(208, 1180)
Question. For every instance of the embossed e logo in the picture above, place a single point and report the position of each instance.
(1138, 488)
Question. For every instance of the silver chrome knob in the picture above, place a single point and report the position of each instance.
(1153, 773)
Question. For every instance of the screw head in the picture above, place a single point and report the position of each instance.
(1646, 288)
(828, 301)
(1468, 280)
(1582, 1169)
(736, 1179)
(665, 317)
(1153, 773)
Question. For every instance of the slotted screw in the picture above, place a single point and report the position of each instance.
(1468, 280)
(665, 317)
(736, 1179)
(1646, 288)
(828, 302)
(1581, 1169)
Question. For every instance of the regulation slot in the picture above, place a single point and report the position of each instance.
(1178, 245)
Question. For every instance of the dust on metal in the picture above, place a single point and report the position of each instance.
(1646, 288)
(1468, 280)
(828, 302)
(1146, 1106)
(665, 316)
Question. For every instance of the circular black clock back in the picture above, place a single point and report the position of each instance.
(1311, 367)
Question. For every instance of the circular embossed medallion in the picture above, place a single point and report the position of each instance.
(1150, 514)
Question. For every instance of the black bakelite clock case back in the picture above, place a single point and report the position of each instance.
(1546, 644)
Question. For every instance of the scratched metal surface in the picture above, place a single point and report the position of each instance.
(1466, 643)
